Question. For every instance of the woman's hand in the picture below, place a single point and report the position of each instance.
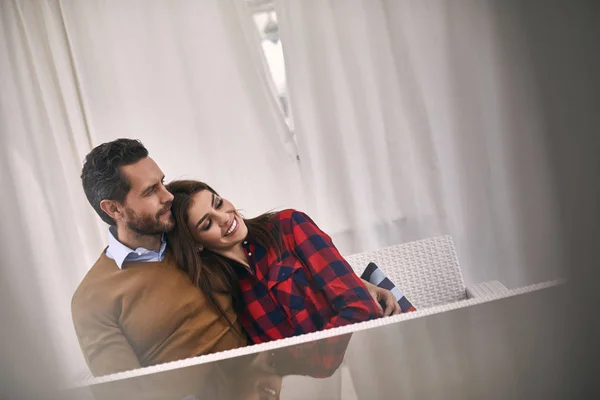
(383, 297)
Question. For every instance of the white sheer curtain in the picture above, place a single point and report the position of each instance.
(421, 117)
(50, 235)
(186, 77)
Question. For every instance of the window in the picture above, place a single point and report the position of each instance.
(265, 19)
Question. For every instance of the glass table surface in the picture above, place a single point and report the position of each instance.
(503, 347)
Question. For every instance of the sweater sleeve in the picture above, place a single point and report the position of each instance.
(105, 347)
(332, 274)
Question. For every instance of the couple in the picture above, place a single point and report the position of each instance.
(184, 274)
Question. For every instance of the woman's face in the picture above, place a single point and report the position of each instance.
(214, 223)
(260, 385)
(259, 381)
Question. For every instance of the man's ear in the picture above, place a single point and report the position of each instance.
(113, 208)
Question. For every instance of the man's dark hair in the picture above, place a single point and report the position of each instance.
(101, 174)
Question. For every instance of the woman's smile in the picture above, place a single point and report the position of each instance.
(233, 227)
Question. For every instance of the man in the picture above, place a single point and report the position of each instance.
(135, 307)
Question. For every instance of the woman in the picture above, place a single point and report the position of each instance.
(285, 275)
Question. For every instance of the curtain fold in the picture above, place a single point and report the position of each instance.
(339, 76)
(50, 235)
(417, 118)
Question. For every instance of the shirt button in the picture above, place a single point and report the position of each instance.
(245, 242)
(249, 253)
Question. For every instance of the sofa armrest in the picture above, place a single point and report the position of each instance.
(489, 288)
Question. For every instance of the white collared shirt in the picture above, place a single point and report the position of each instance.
(121, 253)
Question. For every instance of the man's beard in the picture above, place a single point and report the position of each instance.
(147, 225)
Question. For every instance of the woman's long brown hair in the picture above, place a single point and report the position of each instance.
(211, 272)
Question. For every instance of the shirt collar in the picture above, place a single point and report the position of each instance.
(121, 253)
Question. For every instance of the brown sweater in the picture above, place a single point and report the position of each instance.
(144, 314)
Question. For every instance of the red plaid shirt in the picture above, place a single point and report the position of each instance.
(308, 288)
(318, 359)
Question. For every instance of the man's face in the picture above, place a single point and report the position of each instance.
(147, 206)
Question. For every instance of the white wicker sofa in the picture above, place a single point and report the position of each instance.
(427, 271)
